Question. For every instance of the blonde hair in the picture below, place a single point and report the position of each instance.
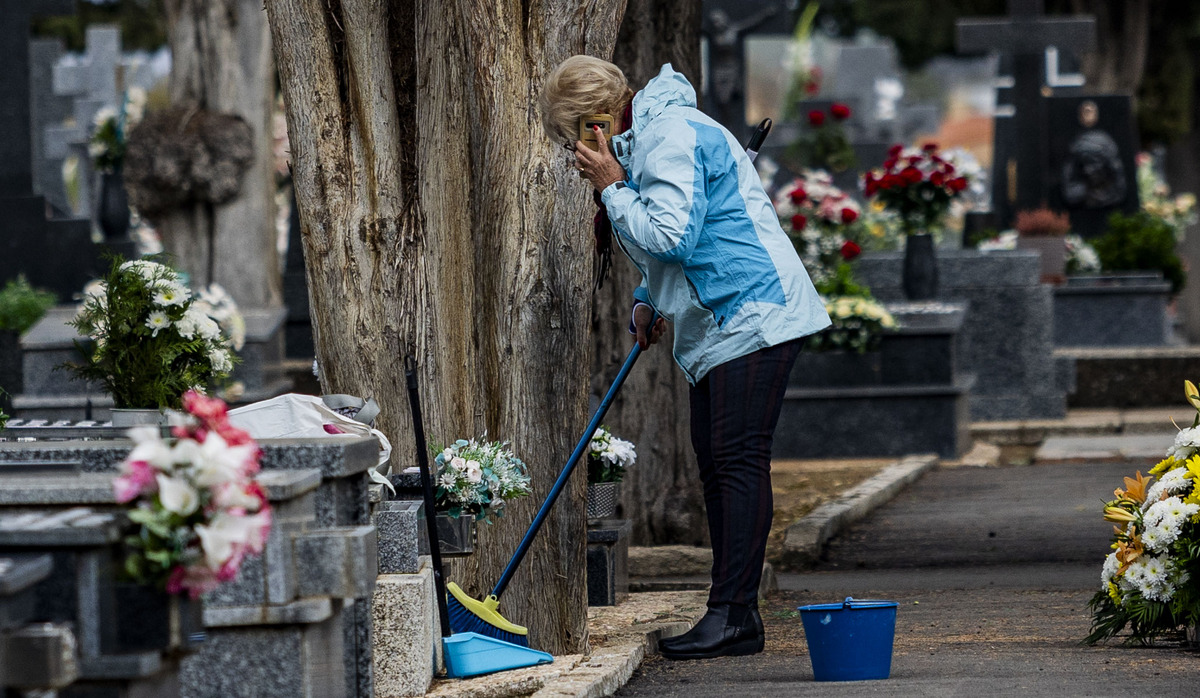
(579, 86)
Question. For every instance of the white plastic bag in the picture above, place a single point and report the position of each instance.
(295, 416)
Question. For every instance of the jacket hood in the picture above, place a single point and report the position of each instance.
(668, 88)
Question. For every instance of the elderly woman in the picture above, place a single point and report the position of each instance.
(690, 212)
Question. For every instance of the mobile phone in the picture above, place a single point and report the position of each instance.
(586, 132)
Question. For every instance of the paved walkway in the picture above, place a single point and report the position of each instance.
(992, 569)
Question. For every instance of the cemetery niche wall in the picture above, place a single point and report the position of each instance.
(297, 621)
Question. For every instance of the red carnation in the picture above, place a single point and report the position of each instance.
(812, 87)
(929, 147)
(895, 150)
(798, 195)
(840, 111)
(889, 164)
(850, 250)
(937, 179)
(799, 221)
(948, 168)
(911, 175)
(957, 184)
(849, 215)
(871, 187)
(816, 117)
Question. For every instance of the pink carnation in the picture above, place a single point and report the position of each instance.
(136, 477)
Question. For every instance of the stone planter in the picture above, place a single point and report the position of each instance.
(602, 500)
(1112, 310)
(456, 536)
(148, 620)
(124, 417)
(1053, 251)
(920, 268)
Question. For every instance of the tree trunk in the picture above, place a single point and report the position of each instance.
(662, 494)
(221, 61)
(439, 221)
(1123, 34)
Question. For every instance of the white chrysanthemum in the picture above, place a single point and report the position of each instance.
(1111, 565)
(1168, 483)
(1187, 442)
(208, 328)
(170, 294)
(219, 358)
(158, 320)
(448, 480)
(1152, 539)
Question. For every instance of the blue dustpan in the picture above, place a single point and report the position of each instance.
(472, 654)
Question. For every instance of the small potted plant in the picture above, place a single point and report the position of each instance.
(919, 185)
(608, 458)
(21, 306)
(475, 482)
(197, 515)
(1045, 231)
(151, 340)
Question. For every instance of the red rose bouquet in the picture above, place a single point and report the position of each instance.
(918, 184)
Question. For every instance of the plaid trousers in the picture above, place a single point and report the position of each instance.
(734, 410)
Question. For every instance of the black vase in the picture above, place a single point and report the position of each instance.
(920, 268)
(112, 210)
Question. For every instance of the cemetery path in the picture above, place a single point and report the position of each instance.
(992, 569)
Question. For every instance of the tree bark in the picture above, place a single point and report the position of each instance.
(221, 61)
(661, 494)
(438, 221)
(1123, 34)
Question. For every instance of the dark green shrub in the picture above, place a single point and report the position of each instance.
(21, 305)
(1141, 242)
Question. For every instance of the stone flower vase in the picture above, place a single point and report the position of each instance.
(602, 499)
(1053, 249)
(126, 417)
(112, 207)
(920, 268)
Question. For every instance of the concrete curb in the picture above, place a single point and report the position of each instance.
(623, 636)
(805, 540)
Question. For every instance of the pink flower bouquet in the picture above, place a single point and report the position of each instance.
(199, 511)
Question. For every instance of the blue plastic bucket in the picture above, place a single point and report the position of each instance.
(850, 641)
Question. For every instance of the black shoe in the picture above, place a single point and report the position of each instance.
(720, 633)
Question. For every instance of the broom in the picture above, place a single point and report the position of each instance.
(468, 614)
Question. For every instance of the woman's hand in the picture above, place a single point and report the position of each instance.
(598, 166)
(646, 335)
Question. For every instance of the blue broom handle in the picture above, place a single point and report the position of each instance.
(565, 475)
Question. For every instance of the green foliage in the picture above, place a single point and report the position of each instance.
(143, 23)
(139, 364)
(1141, 242)
(21, 305)
(921, 29)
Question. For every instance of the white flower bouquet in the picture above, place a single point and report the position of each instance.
(858, 325)
(478, 479)
(110, 130)
(198, 510)
(152, 340)
(1149, 582)
(609, 457)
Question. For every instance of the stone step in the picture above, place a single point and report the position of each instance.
(1142, 449)
(1130, 376)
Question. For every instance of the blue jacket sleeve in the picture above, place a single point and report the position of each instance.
(665, 214)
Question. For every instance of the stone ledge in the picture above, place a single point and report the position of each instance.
(805, 540)
(302, 612)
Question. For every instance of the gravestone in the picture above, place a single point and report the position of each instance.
(1092, 156)
(56, 254)
(47, 108)
(726, 25)
(1022, 143)
(90, 80)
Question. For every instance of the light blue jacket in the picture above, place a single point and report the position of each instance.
(694, 218)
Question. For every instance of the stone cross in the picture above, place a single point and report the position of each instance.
(16, 160)
(1025, 35)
